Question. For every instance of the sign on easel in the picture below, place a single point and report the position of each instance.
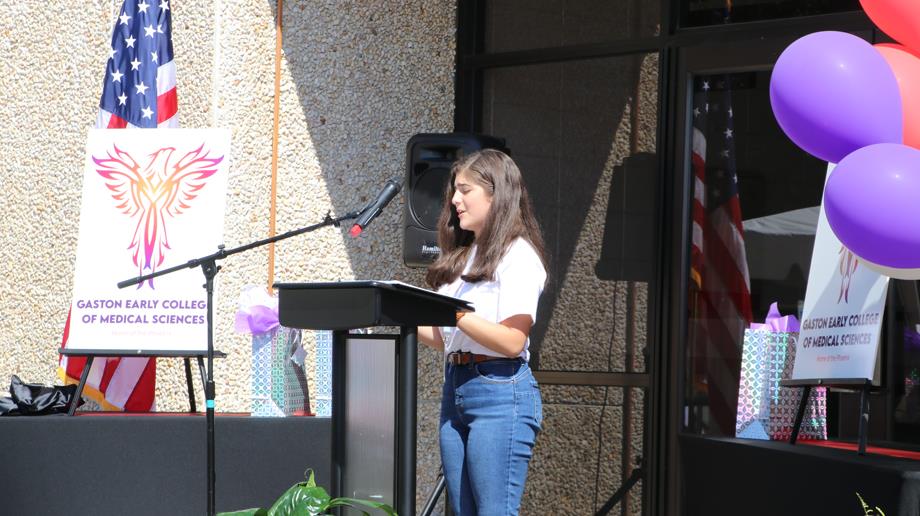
(151, 199)
(842, 315)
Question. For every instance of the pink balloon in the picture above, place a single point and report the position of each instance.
(905, 63)
(900, 19)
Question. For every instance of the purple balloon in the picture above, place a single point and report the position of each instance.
(832, 93)
(871, 202)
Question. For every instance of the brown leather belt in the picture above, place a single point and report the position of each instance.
(466, 358)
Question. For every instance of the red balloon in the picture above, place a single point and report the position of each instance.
(900, 19)
(905, 63)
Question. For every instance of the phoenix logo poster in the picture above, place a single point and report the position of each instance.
(152, 199)
(842, 313)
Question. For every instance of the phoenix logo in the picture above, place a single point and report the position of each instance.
(847, 268)
(153, 192)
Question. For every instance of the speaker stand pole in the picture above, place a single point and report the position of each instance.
(210, 269)
(406, 420)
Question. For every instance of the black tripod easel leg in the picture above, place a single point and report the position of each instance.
(76, 395)
(800, 414)
(202, 372)
(621, 492)
(435, 493)
(863, 419)
(191, 386)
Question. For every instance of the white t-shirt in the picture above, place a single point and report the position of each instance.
(519, 280)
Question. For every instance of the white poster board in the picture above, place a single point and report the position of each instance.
(152, 199)
(842, 315)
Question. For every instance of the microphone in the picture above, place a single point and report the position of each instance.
(374, 208)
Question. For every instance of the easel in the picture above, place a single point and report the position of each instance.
(90, 355)
(862, 384)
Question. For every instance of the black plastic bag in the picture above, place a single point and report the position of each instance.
(29, 399)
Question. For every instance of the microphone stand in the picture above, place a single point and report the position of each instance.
(210, 269)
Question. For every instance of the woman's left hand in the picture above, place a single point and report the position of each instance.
(506, 337)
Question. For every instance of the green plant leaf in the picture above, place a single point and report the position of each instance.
(308, 499)
(301, 499)
(354, 502)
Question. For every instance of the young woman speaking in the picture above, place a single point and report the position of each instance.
(492, 255)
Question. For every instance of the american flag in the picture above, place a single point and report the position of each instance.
(138, 91)
(720, 288)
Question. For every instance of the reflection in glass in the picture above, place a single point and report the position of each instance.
(525, 24)
(696, 13)
(904, 359)
(755, 210)
(753, 223)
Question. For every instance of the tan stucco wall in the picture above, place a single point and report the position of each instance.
(358, 79)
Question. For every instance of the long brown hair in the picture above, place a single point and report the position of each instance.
(510, 217)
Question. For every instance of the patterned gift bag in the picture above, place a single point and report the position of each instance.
(765, 409)
(323, 394)
(279, 380)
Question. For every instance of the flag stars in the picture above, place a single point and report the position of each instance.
(153, 57)
(124, 18)
(724, 153)
(112, 53)
(164, 5)
(141, 88)
(129, 41)
(117, 75)
(135, 65)
(142, 6)
(696, 112)
(729, 133)
(705, 85)
(147, 112)
(160, 28)
(149, 31)
(731, 113)
(122, 99)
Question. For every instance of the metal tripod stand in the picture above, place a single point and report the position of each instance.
(435, 494)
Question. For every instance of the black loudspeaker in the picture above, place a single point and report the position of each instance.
(428, 161)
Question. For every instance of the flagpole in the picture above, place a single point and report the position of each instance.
(275, 124)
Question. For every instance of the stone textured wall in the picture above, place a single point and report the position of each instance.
(358, 79)
(584, 134)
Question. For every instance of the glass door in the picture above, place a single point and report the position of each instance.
(748, 202)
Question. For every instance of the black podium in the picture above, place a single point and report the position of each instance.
(347, 305)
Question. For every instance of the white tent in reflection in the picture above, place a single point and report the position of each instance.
(779, 246)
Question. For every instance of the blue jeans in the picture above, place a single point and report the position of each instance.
(490, 416)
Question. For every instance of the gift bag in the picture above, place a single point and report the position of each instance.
(765, 409)
(323, 396)
(279, 379)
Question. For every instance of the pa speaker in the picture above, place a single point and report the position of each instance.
(428, 161)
